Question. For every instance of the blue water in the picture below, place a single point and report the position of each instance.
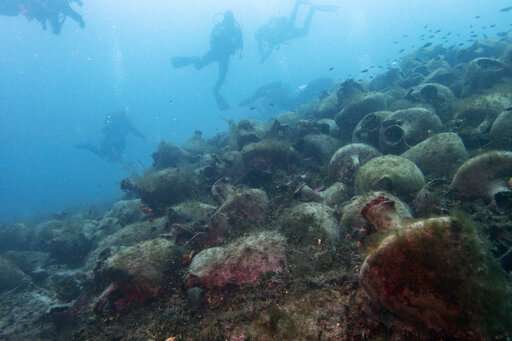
(55, 90)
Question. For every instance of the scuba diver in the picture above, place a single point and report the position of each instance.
(116, 128)
(43, 11)
(280, 30)
(280, 96)
(225, 41)
(276, 95)
(10, 8)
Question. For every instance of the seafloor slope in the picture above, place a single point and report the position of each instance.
(379, 212)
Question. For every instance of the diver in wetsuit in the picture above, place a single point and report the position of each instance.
(280, 30)
(53, 11)
(10, 8)
(280, 96)
(275, 94)
(225, 41)
(116, 129)
(59, 10)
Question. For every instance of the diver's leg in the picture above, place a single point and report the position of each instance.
(205, 60)
(301, 32)
(69, 12)
(89, 147)
(179, 62)
(55, 23)
(223, 71)
(295, 12)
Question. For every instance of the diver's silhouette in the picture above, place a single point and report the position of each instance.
(115, 131)
(225, 41)
(280, 30)
(54, 12)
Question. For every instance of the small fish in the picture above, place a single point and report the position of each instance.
(252, 108)
(271, 105)
(401, 51)
(331, 68)
(477, 17)
(502, 34)
(508, 109)
(438, 31)
(493, 26)
(365, 71)
(506, 9)
(426, 45)
(171, 101)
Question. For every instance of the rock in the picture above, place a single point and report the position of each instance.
(386, 80)
(347, 160)
(241, 211)
(475, 116)
(245, 133)
(349, 91)
(439, 266)
(371, 213)
(501, 131)
(367, 130)
(23, 315)
(307, 223)
(480, 49)
(406, 128)
(351, 114)
(68, 285)
(486, 176)
(438, 156)
(336, 194)
(196, 145)
(103, 228)
(64, 241)
(319, 147)
(267, 155)
(390, 173)
(126, 211)
(15, 237)
(328, 127)
(438, 96)
(164, 188)
(243, 261)
(11, 276)
(193, 211)
(169, 155)
(483, 73)
(442, 75)
(135, 274)
(128, 236)
(328, 106)
(30, 262)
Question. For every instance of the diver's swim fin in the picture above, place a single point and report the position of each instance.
(178, 62)
(222, 104)
(326, 8)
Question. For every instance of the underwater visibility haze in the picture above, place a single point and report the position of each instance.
(255, 170)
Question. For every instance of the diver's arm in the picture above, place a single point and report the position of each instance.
(136, 132)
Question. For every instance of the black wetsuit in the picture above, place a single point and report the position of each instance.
(280, 30)
(115, 131)
(225, 41)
